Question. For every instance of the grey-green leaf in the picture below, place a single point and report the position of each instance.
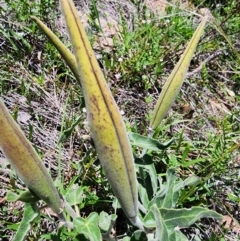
(147, 142)
(30, 213)
(139, 235)
(181, 217)
(177, 235)
(75, 196)
(161, 227)
(185, 217)
(105, 220)
(88, 227)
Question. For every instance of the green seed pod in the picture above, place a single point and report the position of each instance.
(106, 125)
(174, 82)
(24, 159)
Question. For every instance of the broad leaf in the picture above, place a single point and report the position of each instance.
(161, 227)
(88, 227)
(182, 218)
(75, 196)
(149, 220)
(147, 142)
(177, 235)
(139, 236)
(11, 196)
(106, 220)
(190, 181)
(145, 160)
(185, 217)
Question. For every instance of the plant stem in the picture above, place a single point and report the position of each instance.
(70, 210)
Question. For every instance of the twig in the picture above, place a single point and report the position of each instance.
(142, 208)
(70, 210)
(208, 59)
(64, 222)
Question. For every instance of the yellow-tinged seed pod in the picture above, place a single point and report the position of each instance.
(62, 49)
(174, 82)
(24, 159)
(105, 121)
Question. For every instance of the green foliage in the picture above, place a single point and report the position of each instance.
(24, 196)
(30, 213)
(163, 214)
(146, 142)
(80, 196)
(88, 226)
(144, 50)
(18, 32)
(94, 19)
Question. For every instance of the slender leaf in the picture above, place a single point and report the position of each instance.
(30, 213)
(171, 196)
(67, 133)
(143, 195)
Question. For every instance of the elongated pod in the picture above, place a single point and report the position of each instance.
(62, 49)
(174, 82)
(24, 159)
(105, 121)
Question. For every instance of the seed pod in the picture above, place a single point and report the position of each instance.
(105, 121)
(62, 49)
(24, 159)
(174, 82)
